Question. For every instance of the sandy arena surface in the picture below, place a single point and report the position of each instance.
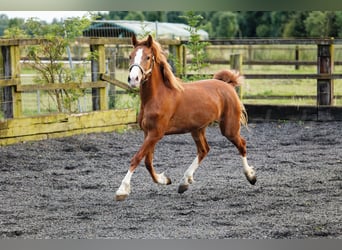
(64, 188)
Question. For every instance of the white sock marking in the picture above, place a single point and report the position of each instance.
(162, 179)
(248, 170)
(125, 187)
(188, 175)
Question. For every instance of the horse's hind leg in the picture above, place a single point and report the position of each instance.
(231, 131)
(202, 151)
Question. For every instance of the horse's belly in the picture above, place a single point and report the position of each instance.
(190, 122)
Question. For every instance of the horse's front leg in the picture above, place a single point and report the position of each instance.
(148, 144)
(157, 178)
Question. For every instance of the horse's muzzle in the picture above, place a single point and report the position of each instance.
(135, 76)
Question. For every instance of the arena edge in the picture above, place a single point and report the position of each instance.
(61, 125)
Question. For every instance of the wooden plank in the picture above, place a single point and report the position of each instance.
(290, 112)
(293, 76)
(283, 41)
(325, 65)
(51, 126)
(63, 122)
(329, 113)
(37, 137)
(283, 76)
(21, 41)
(102, 69)
(7, 92)
(236, 64)
(264, 62)
(9, 82)
(55, 86)
(281, 112)
(15, 72)
(116, 82)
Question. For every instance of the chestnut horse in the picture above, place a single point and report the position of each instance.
(170, 107)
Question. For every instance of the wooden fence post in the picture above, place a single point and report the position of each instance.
(173, 63)
(98, 67)
(181, 56)
(111, 71)
(236, 63)
(297, 57)
(179, 62)
(325, 64)
(11, 99)
(250, 56)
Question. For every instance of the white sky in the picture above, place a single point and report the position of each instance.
(44, 15)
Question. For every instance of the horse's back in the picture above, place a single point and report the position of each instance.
(211, 89)
(201, 103)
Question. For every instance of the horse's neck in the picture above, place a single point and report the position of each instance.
(153, 87)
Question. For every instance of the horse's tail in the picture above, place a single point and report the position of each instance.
(234, 78)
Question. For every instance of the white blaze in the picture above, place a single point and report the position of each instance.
(135, 74)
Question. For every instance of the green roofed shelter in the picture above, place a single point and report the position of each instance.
(126, 28)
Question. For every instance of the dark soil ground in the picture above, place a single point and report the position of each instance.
(64, 188)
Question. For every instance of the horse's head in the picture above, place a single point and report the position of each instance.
(141, 61)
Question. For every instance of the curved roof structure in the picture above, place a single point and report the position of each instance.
(126, 28)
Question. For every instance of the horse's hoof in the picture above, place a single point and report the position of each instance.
(182, 188)
(121, 197)
(252, 179)
(162, 179)
(168, 181)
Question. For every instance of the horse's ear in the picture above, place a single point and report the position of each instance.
(134, 40)
(149, 41)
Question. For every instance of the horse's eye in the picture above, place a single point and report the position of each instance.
(148, 57)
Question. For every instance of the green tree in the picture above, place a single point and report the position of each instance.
(318, 24)
(195, 46)
(338, 23)
(135, 15)
(3, 23)
(262, 30)
(278, 22)
(58, 36)
(225, 24)
(248, 22)
(175, 17)
(15, 28)
(294, 26)
(116, 15)
(155, 16)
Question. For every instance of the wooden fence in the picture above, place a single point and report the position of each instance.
(15, 128)
(324, 110)
(324, 63)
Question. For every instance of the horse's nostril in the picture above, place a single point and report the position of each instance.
(137, 78)
(129, 79)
